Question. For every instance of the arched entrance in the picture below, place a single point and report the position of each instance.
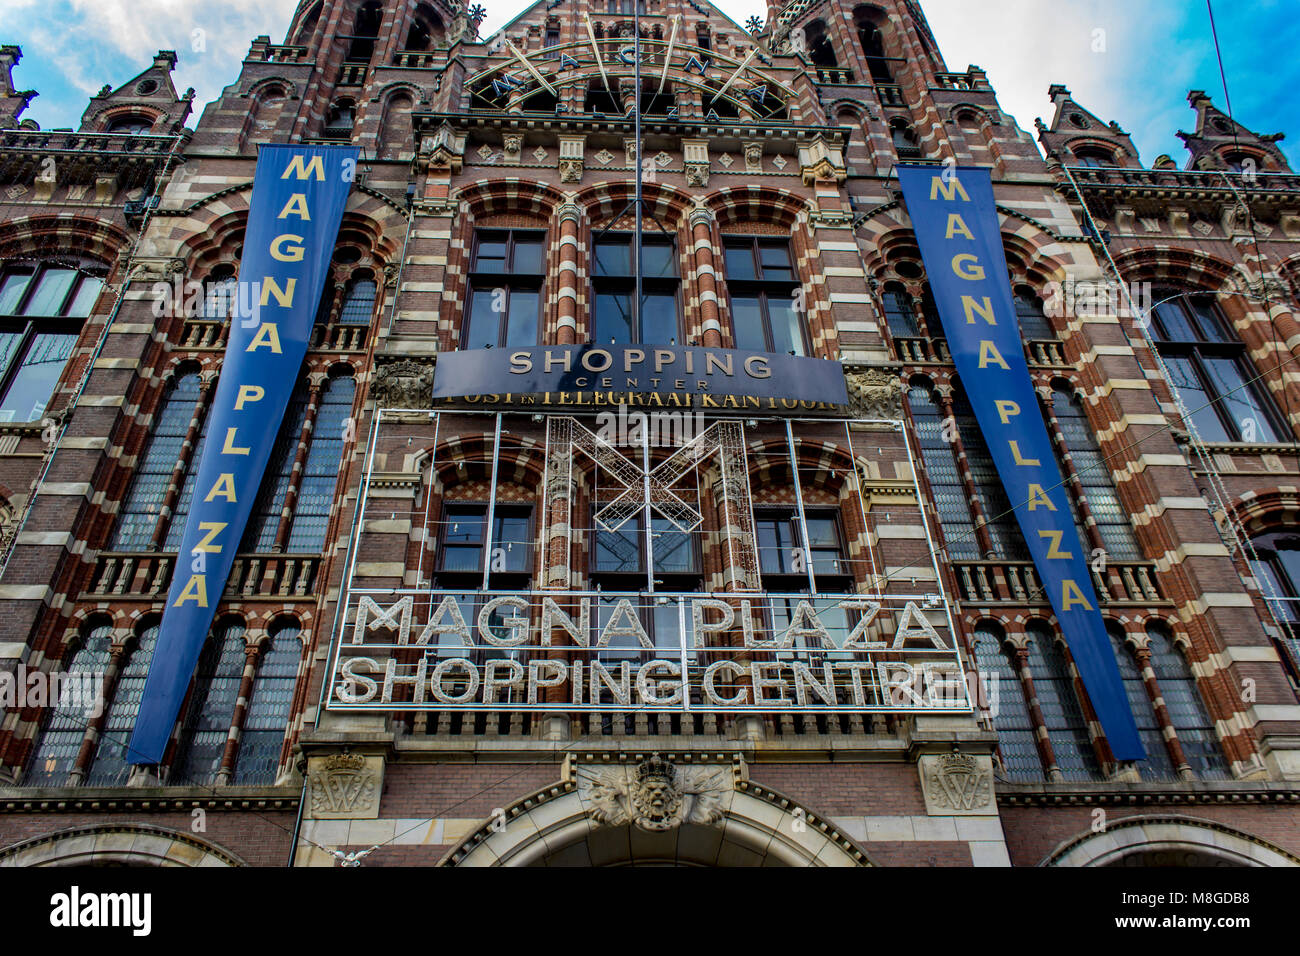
(655, 812)
(1168, 841)
(116, 845)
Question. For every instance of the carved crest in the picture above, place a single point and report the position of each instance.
(875, 393)
(403, 384)
(344, 784)
(656, 795)
(959, 782)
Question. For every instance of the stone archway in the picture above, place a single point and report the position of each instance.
(116, 845)
(652, 811)
(1168, 841)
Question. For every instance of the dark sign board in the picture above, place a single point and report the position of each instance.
(570, 376)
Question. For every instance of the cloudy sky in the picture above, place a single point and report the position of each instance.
(1132, 61)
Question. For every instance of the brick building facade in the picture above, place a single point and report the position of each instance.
(492, 210)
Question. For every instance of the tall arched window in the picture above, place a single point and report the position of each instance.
(820, 49)
(65, 727)
(949, 493)
(359, 303)
(1094, 474)
(181, 513)
(873, 46)
(1003, 528)
(211, 707)
(900, 315)
(139, 513)
(365, 30)
(262, 736)
(111, 766)
(321, 474)
(1006, 697)
(1029, 313)
(1187, 710)
(1062, 716)
(1157, 765)
(268, 508)
(906, 145)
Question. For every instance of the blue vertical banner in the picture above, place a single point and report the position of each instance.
(955, 219)
(299, 194)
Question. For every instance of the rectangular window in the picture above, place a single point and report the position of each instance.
(41, 313)
(614, 284)
(780, 549)
(505, 294)
(463, 527)
(765, 307)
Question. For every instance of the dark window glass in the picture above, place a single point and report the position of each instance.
(211, 709)
(1004, 529)
(946, 486)
(268, 509)
(111, 768)
(1187, 710)
(764, 289)
(780, 545)
(614, 285)
(41, 312)
(315, 502)
(65, 727)
(1157, 765)
(462, 538)
(1062, 715)
(1029, 312)
(359, 305)
(139, 514)
(1006, 698)
(505, 290)
(900, 315)
(1208, 366)
(262, 737)
(1094, 474)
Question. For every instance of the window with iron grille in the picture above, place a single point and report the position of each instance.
(1187, 711)
(211, 709)
(1062, 715)
(1157, 765)
(111, 766)
(1006, 698)
(261, 739)
(65, 724)
(1098, 489)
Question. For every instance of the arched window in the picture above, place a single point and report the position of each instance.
(1093, 157)
(111, 766)
(65, 727)
(268, 508)
(1187, 710)
(315, 499)
(359, 303)
(946, 487)
(426, 28)
(1062, 715)
(820, 49)
(1003, 528)
(900, 314)
(1029, 312)
(1208, 365)
(181, 513)
(1006, 698)
(906, 144)
(139, 514)
(762, 284)
(220, 294)
(1094, 475)
(1157, 765)
(262, 737)
(365, 30)
(211, 707)
(873, 47)
(42, 309)
(134, 124)
(340, 120)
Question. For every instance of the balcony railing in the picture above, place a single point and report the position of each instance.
(833, 76)
(890, 95)
(922, 351)
(276, 53)
(1016, 582)
(1045, 352)
(147, 576)
(408, 60)
(210, 334)
(953, 81)
(354, 74)
(1201, 183)
(56, 142)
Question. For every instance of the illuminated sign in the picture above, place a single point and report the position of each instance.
(622, 651)
(956, 222)
(298, 197)
(711, 380)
